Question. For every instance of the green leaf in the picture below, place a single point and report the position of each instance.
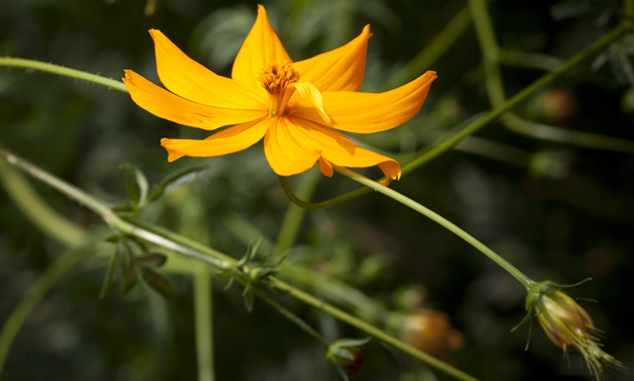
(248, 298)
(136, 183)
(177, 179)
(157, 282)
(129, 279)
(112, 267)
(153, 259)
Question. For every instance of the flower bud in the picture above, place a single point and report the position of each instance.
(568, 325)
(429, 331)
(345, 357)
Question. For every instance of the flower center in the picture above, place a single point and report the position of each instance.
(275, 78)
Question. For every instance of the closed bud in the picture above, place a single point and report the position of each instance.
(345, 357)
(568, 325)
(429, 331)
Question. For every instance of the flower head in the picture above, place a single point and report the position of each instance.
(568, 325)
(297, 107)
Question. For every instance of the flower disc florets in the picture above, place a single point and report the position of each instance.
(275, 77)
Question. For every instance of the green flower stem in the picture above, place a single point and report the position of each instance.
(529, 60)
(446, 143)
(566, 136)
(175, 242)
(495, 89)
(109, 216)
(42, 215)
(371, 330)
(432, 52)
(63, 71)
(290, 316)
(523, 279)
(36, 292)
(295, 214)
(203, 305)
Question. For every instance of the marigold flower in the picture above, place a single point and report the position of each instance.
(294, 106)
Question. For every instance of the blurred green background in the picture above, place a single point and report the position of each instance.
(555, 211)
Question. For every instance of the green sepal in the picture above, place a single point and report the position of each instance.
(115, 238)
(110, 272)
(129, 279)
(129, 268)
(153, 259)
(136, 184)
(157, 281)
(247, 295)
(177, 179)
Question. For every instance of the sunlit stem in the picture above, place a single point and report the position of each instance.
(523, 279)
(183, 245)
(291, 316)
(60, 70)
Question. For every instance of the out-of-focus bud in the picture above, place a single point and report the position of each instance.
(568, 325)
(558, 106)
(345, 357)
(429, 331)
(411, 297)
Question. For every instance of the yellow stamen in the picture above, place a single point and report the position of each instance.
(275, 78)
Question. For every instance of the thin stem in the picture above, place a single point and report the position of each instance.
(177, 243)
(523, 279)
(495, 90)
(295, 214)
(370, 329)
(62, 265)
(203, 305)
(447, 142)
(291, 316)
(63, 71)
(565, 136)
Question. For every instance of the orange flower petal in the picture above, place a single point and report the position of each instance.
(365, 113)
(189, 79)
(233, 139)
(166, 105)
(285, 154)
(340, 69)
(337, 149)
(261, 47)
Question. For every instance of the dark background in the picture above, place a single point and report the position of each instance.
(563, 213)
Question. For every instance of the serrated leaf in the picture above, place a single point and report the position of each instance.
(177, 179)
(153, 259)
(108, 283)
(157, 282)
(136, 183)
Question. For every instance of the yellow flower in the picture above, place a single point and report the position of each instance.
(294, 106)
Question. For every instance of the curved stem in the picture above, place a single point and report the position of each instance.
(36, 292)
(40, 213)
(446, 143)
(370, 329)
(295, 214)
(177, 243)
(63, 71)
(495, 89)
(291, 316)
(518, 275)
